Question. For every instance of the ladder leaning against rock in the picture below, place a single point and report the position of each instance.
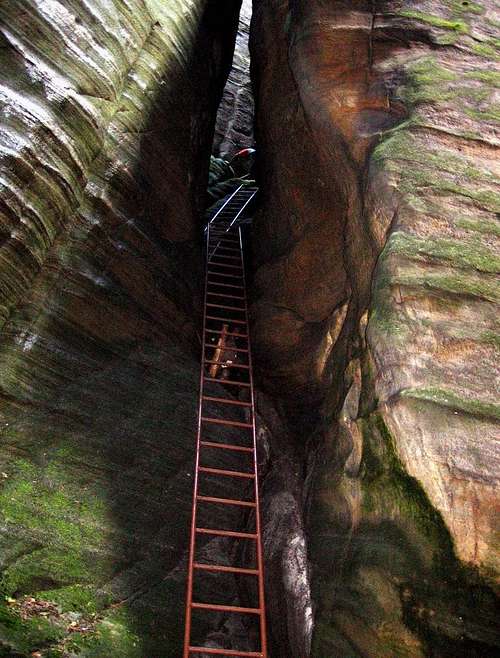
(226, 334)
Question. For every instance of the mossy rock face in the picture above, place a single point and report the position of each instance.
(95, 512)
(64, 525)
(380, 125)
(392, 584)
(107, 113)
(432, 316)
(87, 521)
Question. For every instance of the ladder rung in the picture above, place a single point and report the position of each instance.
(229, 308)
(231, 320)
(214, 246)
(223, 294)
(224, 285)
(226, 533)
(226, 501)
(233, 249)
(226, 333)
(226, 652)
(228, 267)
(224, 276)
(231, 382)
(216, 567)
(228, 365)
(226, 608)
(218, 249)
(226, 257)
(232, 423)
(221, 471)
(218, 239)
(233, 349)
(217, 264)
(237, 403)
(225, 446)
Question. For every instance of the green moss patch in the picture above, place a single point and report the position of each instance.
(79, 598)
(461, 253)
(486, 50)
(458, 26)
(491, 78)
(429, 82)
(388, 490)
(465, 7)
(59, 526)
(483, 226)
(65, 526)
(422, 170)
(26, 636)
(491, 112)
(111, 637)
(452, 400)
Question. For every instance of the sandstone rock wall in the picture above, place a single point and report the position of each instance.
(107, 112)
(376, 127)
(234, 125)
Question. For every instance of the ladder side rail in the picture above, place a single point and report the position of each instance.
(192, 564)
(234, 223)
(192, 540)
(258, 526)
(223, 206)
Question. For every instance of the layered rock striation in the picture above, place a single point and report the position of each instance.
(377, 258)
(107, 115)
(374, 319)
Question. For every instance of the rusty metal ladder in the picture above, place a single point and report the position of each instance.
(225, 320)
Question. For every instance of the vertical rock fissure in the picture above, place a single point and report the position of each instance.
(374, 291)
(234, 124)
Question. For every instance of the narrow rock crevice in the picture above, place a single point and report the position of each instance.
(372, 260)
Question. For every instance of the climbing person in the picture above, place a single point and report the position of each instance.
(225, 355)
(243, 162)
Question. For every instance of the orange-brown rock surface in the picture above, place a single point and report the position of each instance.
(377, 263)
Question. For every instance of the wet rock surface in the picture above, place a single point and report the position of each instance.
(375, 127)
